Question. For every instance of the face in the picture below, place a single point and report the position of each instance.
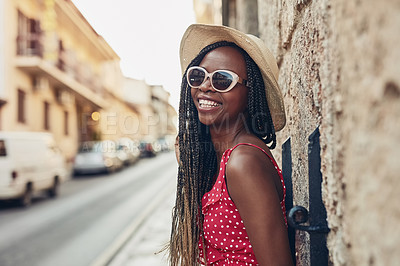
(221, 108)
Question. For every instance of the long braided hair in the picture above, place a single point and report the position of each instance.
(198, 160)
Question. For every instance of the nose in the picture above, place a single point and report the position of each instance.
(206, 86)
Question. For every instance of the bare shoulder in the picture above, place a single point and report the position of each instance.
(249, 167)
(246, 159)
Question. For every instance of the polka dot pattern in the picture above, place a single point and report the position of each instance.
(225, 235)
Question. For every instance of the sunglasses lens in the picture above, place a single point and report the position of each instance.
(222, 80)
(196, 77)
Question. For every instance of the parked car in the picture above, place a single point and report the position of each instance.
(128, 151)
(163, 144)
(30, 162)
(97, 157)
(146, 149)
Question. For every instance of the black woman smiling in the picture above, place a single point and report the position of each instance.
(230, 203)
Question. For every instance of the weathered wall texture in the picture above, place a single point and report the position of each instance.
(369, 87)
(339, 70)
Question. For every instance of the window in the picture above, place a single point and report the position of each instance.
(21, 107)
(46, 124)
(66, 129)
(29, 33)
(61, 56)
(3, 151)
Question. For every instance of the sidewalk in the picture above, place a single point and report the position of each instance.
(144, 246)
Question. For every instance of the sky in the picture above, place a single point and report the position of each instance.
(145, 34)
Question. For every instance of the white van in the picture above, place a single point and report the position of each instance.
(29, 162)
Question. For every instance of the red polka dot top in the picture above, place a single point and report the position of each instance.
(225, 237)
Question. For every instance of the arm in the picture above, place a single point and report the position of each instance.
(251, 181)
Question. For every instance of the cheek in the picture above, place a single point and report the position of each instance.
(239, 101)
(193, 92)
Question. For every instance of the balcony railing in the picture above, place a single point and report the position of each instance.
(29, 45)
(67, 62)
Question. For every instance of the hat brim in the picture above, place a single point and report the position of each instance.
(198, 36)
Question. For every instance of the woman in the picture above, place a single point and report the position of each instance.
(230, 194)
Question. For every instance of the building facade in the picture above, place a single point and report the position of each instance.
(58, 75)
(157, 117)
(338, 73)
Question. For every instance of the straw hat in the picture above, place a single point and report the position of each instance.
(198, 36)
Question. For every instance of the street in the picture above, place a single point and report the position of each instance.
(89, 214)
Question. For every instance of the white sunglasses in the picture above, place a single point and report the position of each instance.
(221, 80)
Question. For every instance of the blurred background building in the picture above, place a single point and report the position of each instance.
(58, 75)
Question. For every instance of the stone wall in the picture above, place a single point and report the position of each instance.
(369, 100)
(339, 70)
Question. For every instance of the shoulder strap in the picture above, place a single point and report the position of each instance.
(253, 145)
(271, 159)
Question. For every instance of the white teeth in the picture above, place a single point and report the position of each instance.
(207, 103)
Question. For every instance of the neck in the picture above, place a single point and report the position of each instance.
(225, 139)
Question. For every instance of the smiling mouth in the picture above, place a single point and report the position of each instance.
(208, 104)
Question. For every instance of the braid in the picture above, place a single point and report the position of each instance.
(198, 159)
(260, 119)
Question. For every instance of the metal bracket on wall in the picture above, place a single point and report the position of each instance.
(299, 215)
(316, 218)
(287, 178)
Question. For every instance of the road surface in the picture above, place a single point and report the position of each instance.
(90, 212)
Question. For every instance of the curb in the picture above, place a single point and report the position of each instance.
(108, 255)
